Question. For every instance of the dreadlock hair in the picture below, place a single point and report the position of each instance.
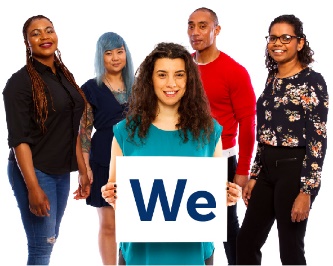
(305, 55)
(194, 110)
(38, 85)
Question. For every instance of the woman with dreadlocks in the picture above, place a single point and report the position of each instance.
(43, 107)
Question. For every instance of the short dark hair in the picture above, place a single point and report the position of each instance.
(211, 12)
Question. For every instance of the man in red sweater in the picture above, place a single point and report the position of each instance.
(233, 103)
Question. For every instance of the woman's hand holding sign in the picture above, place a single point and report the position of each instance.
(234, 193)
(109, 193)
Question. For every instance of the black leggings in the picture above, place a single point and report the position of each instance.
(272, 199)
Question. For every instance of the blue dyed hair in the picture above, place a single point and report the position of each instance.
(110, 41)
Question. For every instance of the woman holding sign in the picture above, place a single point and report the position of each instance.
(167, 102)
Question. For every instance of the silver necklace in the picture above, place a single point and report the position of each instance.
(120, 95)
(112, 89)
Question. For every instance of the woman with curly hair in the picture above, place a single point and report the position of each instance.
(167, 102)
(292, 141)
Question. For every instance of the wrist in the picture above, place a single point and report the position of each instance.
(304, 193)
(82, 170)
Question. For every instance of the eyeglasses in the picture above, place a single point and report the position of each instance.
(284, 38)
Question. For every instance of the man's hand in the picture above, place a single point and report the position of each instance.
(241, 180)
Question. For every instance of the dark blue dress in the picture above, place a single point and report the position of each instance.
(107, 112)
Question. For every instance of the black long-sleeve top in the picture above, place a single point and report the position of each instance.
(293, 112)
(53, 152)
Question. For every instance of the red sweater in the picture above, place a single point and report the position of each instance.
(233, 104)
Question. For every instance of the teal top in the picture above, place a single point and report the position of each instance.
(165, 143)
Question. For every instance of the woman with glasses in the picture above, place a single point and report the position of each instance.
(291, 134)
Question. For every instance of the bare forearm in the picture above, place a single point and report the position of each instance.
(85, 141)
(86, 159)
(79, 156)
(86, 127)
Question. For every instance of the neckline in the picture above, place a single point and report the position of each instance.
(200, 64)
(291, 76)
(175, 130)
(108, 85)
(203, 64)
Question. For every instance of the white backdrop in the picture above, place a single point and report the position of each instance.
(143, 24)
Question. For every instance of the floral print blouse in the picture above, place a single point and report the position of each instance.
(292, 112)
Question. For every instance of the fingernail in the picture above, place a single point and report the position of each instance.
(227, 188)
(115, 185)
(115, 191)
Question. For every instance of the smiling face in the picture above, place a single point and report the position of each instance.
(115, 60)
(169, 81)
(284, 52)
(42, 40)
(202, 30)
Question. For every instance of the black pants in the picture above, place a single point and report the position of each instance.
(209, 261)
(233, 224)
(272, 199)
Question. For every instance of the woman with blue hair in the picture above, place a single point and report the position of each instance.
(107, 95)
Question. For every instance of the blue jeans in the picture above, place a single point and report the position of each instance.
(41, 232)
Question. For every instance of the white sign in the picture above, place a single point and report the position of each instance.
(171, 199)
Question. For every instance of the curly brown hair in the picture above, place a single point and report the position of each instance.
(38, 85)
(194, 110)
(305, 55)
